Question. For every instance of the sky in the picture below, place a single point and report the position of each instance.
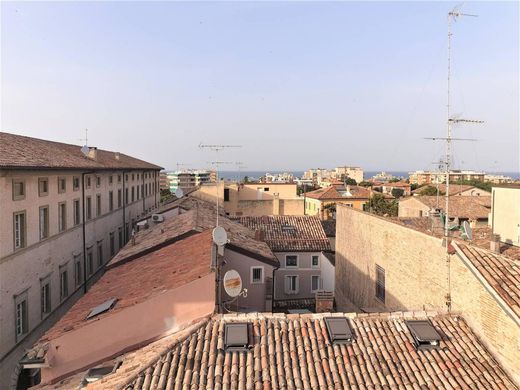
(297, 84)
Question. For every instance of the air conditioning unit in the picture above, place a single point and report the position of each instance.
(157, 218)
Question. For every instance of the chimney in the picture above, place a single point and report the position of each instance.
(92, 153)
(494, 244)
(259, 235)
(324, 301)
(116, 156)
(276, 203)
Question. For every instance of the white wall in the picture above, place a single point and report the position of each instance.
(304, 271)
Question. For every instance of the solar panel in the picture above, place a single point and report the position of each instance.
(424, 334)
(236, 337)
(105, 306)
(339, 330)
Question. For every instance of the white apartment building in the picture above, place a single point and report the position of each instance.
(189, 179)
(338, 173)
(64, 214)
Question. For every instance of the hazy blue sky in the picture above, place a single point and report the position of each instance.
(299, 85)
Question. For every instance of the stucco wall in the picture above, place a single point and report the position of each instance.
(304, 271)
(506, 214)
(416, 275)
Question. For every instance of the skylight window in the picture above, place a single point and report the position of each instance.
(236, 337)
(424, 334)
(105, 306)
(288, 228)
(339, 330)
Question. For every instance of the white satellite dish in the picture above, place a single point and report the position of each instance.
(466, 228)
(220, 236)
(84, 149)
(232, 283)
(179, 193)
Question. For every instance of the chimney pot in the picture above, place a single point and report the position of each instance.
(494, 244)
(259, 235)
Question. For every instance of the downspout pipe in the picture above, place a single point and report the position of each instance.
(84, 230)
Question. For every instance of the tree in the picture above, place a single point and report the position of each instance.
(430, 191)
(397, 192)
(349, 181)
(381, 206)
(483, 185)
(246, 179)
(365, 184)
(394, 180)
(413, 187)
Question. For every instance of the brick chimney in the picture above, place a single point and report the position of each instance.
(259, 235)
(324, 302)
(494, 244)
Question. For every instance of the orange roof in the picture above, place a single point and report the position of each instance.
(334, 193)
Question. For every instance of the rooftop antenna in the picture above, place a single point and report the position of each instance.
(239, 165)
(84, 148)
(216, 149)
(181, 165)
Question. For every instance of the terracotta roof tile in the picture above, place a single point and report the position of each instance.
(473, 207)
(455, 189)
(294, 352)
(17, 151)
(289, 232)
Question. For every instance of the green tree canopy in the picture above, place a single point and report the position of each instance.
(381, 206)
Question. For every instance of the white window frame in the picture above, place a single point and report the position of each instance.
(45, 296)
(22, 322)
(64, 282)
(319, 262)
(319, 283)
(19, 231)
(297, 285)
(292, 266)
(261, 281)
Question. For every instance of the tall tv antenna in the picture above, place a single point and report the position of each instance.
(84, 148)
(240, 165)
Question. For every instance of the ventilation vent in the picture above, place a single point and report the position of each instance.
(105, 306)
(236, 337)
(424, 334)
(339, 330)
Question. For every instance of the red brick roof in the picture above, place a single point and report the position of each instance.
(140, 280)
(472, 207)
(333, 193)
(294, 352)
(290, 232)
(455, 189)
(397, 184)
(17, 151)
(501, 272)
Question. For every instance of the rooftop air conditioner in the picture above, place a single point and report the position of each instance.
(157, 218)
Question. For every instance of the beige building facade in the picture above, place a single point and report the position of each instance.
(505, 214)
(384, 266)
(60, 226)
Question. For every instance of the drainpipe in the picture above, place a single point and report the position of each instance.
(124, 208)
(83, 228)
(142, 191)
(274, 285)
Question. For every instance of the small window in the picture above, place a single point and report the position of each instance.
(21, 315)
(45, 296)
(98, 181)
(110, 200)
(88, 201)
(257, 275)
(98, 205)
(43, 186)
(291, 284)
(266, 189)
(64, 282)
(62, 185)
(19, 230)
(424, 334)
(78, 271)
(315, 261)
(119, 178)
(133, 177)
(315, 283)
(380, 283)
(90, 262)
(226, 194)
(75, 183)
(137, 176)
(110, 180)
(18, 189)
(339, 330)
(77, 212)
(105, 306)
(291, 261)
(62, 216)
(133, 194)
(137, 192)
(236, 337)
(126, 177)
(100, 254)
(112, 244)
(120, 237)
(89, 182)
(44, 222)
(119, 200)
(126, 195)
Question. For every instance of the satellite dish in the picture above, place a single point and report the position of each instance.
(179, 193)
(232, 283)
(220, 236)
(466, 228)
(84, 149)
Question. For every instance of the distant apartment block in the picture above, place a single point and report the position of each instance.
(64, 214)
(187, 180)
(498, 179)
(339, 173)
(164, 182)
(432, 177)
(505, 215)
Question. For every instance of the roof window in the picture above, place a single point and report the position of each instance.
(339, 330)
(236, 337)
(288, 228)
(105, 306)
(96, 373)
(424, 334)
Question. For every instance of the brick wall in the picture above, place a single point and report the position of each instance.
(416, 274)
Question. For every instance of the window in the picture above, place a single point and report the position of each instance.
(75, 183)
(291, 261)
(126, 177)
(18, 189)
(45, 296)
(99, 254)
(133, 177)
(90, 262)
(19, 230)
(44, 222)
(62, 216)
(257, 275)
(126, 195)
(98, 181)
(62, 185)
(89, 184)
(145, 190)
(315, 283)
(266, 189)
(98, 205)
(291, 284)
(119, 178)
(21, 315)
(142, 190)
(226, 194)
(110, 200)
(119, 198)
(43, 186)
(112, 244)
(315, 261)
(380, 283)
(133, 194)
(137, 176)
(64, 282)
(89, 207)
(78, 271)
(120, 237)
(137, 192)
(110, 180)
(77, 216)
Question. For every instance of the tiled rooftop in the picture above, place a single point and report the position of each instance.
(294, 352)
(289, 233)
(473, 207)
(334, 193)
(18, 151)
(455, 189)
(140, 280)
(502, 273)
